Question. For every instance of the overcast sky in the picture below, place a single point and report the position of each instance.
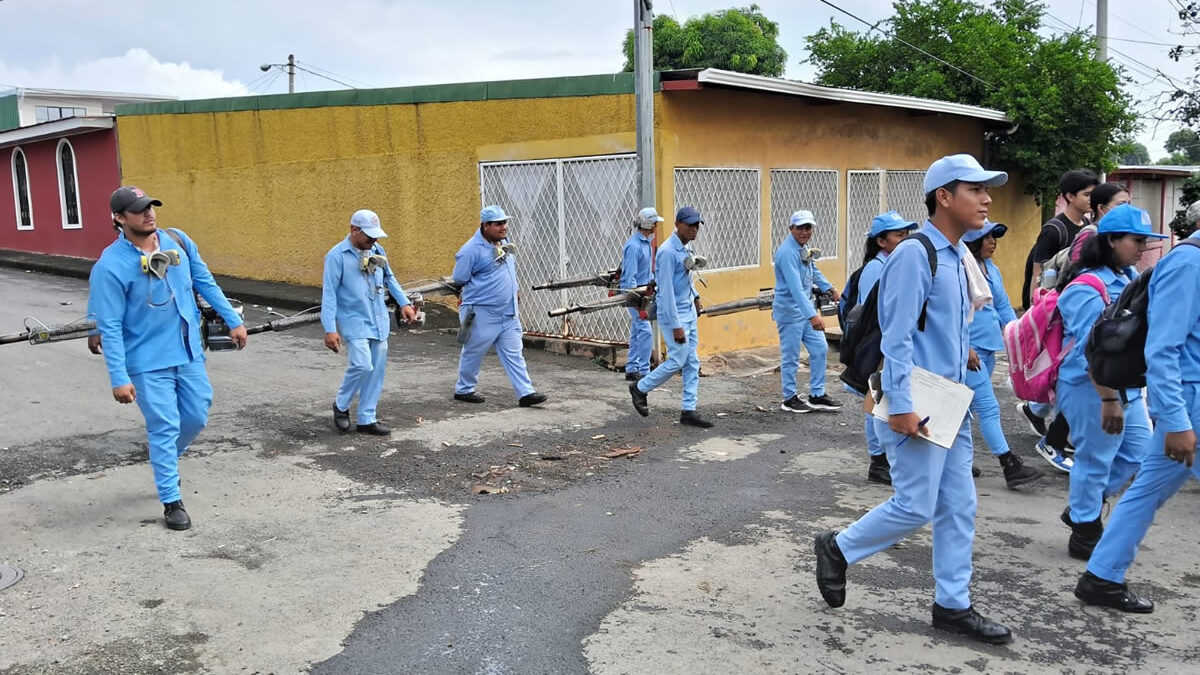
(214, 48)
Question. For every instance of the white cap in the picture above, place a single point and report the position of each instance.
(368, 222)
(647, 218)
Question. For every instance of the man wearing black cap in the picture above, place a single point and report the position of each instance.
(142, 295)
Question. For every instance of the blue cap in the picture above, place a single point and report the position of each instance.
(647, 217)
(886, 222)
(1128, 219)
(802, 218)
(368, 222)
(689, 215)
(963, 168)
(997, 230)
(492, 214)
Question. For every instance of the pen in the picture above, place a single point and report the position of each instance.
(919, 425)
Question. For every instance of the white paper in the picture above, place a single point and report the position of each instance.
(943, 401)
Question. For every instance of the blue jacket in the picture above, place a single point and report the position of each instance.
(987, 329)
(147, 323)
(487, 281)
(794, 280)
(675, 297)
(1173, 339)
(904, 287)
(870, 276)
(1080, 306)
(635, 261)
(352, 302)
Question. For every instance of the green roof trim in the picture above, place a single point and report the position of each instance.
(10, 114)
(553, 87)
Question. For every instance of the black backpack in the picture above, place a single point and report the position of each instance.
(849, 299)
(860, 349)
(1116, 345)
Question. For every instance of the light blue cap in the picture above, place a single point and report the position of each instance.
(886, 222)
(647, 217)
(1128, 219)
(368, 222)
(964, 168)
(492, 214)
(802, 217)
(997, 230)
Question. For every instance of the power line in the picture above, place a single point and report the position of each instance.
(329, 72)
(325, 77)
(875, 26)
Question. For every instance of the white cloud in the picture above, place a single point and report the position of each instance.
(135, 71)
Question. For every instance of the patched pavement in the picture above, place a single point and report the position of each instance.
(494, 539)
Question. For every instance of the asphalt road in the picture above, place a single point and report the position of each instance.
(496, 539)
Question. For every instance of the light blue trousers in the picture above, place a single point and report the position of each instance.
(874, 447)
(364, 377)
(493, 328)
(175, 403)
(791, 335)
(638, 360)
(984, 405)
(1157, 480)
(931, 484)
(1103, 462)
(681, 358)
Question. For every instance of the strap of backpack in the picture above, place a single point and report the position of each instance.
(933, 265)
(1062, 229)
(1186, 242)
(1093, 282)
(175, 235)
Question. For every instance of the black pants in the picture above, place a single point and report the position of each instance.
(1058, 433)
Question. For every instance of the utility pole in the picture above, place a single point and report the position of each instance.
(291, 66)
(643, 92)
(1102, 30)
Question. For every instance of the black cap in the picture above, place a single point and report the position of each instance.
(131, 199)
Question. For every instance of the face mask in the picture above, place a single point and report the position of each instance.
(371, 263)
(695, 262)
(157, 263)
(811, 254)
(503, 250)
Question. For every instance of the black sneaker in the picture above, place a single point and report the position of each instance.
(341, 419)
(176, 517)
(531, 400)
(1037, 424)
(639, 400)
(693, 419)
(823, 402)
(794, 405)
(469, 397)
(1015, 471)
(880, 470)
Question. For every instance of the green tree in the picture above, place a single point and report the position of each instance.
(1189, 193)
(738, 39)
(1184, 102)
(1185, 142)
(1070, 108)
(1175, 159)
(1132, 152)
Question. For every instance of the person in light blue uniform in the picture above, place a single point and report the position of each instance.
(1173, 386)
(987, 338)
(796, 316)
(885, 234)
(678, 305)
(142, 294)
(930, 482)
(353, 312)
(1109, 429)
(636, 267)
(486, 269)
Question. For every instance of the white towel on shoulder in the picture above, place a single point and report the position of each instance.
(979, 293)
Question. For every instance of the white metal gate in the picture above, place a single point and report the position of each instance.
(905, 194)
(729, 203)
(812, 190)
(864, 201)
(570, 217)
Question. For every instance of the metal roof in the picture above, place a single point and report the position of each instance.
(71, 126)
(1161, 169)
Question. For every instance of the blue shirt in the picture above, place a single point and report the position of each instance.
(905, 285)
(675, 297)
(486, 280)
(870, 276)
(352, 301)
(146, 323)
(1173, 339)
(794, 279)
(1080, 306)
(635, 261)
(987, 329)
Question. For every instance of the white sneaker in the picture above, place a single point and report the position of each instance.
(1054, 457)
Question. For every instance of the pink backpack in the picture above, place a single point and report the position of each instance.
(1035, 346)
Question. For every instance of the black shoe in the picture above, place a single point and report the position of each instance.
(823, 402)
(794, 405)
(970, 623)
(531, 399)
(1084, 536)
(176, 517)
(374, 428)
(1096, 591)
(341, 419)
(831, 569)
(880, 470)
(634, 377)
(639, 400)
(1037, 424)
(693, 419)
(975, 472)
(1015, 471)
(469, 397)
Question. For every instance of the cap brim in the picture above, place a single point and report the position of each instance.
(987, 178)
(140, 204)
(374, 232)
(999, 230)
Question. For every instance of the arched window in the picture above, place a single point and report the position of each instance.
(20, 172)
(68, 186)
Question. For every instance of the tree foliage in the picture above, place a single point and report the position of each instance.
(739, 39)
(1184, 102)
(1185, 142)
(1189, 193)
(1132, 152)
(1070, 108)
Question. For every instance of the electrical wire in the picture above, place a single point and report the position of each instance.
(325, 77)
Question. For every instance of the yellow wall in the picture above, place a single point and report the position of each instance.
(729, 128)
(267, 193)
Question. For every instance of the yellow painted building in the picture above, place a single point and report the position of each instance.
(267, 184)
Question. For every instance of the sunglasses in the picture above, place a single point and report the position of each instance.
(802, 227)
